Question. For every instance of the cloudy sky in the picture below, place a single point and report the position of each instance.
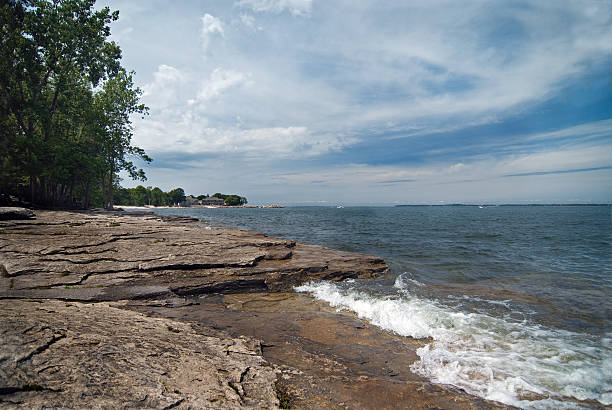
(374, 102)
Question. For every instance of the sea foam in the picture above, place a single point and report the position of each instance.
(518, 363)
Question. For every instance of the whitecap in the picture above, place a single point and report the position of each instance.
(492, 357)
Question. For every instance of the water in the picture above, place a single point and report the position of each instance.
(516, 298)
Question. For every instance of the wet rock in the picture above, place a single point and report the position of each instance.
(326, 359)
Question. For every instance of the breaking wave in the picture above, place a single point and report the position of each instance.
(514, 362)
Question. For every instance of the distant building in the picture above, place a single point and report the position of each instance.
(212, 200)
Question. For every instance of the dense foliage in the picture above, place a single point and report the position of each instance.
(141, 196)
(65, 104)
(231, 200)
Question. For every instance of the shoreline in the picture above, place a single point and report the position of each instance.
(152, 207)
(188, 282)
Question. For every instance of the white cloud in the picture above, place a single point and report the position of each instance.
(369, 71)
(248, 20)
(295, 7)
(163, 91)
(581, 155)
(220, 80)
(190, 134)
(422, 67)
(181, 122)
(210, 26)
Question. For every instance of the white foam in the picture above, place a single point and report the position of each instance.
(401, 282)
(488, 356)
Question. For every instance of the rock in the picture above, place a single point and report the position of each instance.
(326, 358)
(13, 212)
(93, 256)
(212, 287)
(56, 354)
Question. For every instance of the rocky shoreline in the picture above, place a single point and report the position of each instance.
(131, 309)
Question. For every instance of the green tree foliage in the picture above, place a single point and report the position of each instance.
(65, 103)
(177, 196)
(159, 197)
(234, 200)
(141, 196)
(114, 105)
(231, 200)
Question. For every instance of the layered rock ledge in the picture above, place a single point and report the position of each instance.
(108, 310)
(104, 257)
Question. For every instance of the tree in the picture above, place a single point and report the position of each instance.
(116, 102)
(139, 195)
(46, 48)
(158, 197)
(62, 134)
(234, 200)
(177, 196)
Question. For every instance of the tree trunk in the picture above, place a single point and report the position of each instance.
(86, 195)
(70, 197)
(32, 189)
(110, 191)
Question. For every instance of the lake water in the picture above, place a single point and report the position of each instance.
(516, 298)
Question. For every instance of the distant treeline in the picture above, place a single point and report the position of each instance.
(230, 200)
(65, 104)
(141, 196)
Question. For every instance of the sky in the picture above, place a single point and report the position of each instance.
(327, 102)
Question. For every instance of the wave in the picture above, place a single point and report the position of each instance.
(518, 363)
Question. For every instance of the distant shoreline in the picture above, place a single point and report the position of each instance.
(495, 205)
(148, 207)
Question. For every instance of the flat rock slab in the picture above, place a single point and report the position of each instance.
(56, 355)
(97, 256)
(326, 359)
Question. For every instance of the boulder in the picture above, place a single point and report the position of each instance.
(12, 212)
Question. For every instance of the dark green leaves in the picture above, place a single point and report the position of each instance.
(60, 139)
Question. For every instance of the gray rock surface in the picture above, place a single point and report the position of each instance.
(57, 354)
(97, 256)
